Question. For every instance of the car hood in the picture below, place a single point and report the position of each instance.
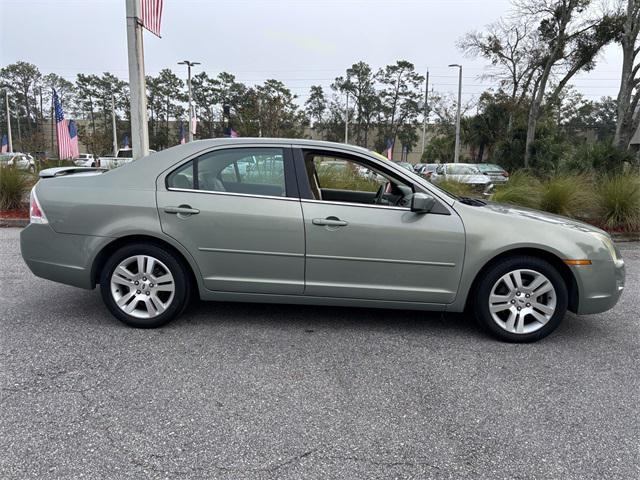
(542, 217)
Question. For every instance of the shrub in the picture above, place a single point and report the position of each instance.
(522, 189)
(600, 156)
(13, 186)
(457, 188)
(572, 196)
(618, 201)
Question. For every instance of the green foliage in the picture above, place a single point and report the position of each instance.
(457, 188)
(13, 187)
(618, 201)
(572, 196)
(598, 157)
(344, 177)
(522, 189)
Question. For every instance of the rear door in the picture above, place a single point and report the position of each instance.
(237, 211)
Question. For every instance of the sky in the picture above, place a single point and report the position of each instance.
(300, 42)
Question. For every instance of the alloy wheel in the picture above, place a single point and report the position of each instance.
(142, 286)
(522, 301)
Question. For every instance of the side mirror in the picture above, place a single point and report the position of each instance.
(422, 203)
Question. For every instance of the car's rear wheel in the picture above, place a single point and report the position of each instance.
(144, 286)
(521, 299)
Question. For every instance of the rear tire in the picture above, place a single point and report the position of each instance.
(144, 286)
(521, 299)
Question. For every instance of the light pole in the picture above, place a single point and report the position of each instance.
(456, 157)
(189, 65)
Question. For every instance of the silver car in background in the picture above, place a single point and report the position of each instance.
(302, 225)
(467, 173)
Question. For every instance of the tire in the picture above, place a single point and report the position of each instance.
(521, 299)
(135, 290)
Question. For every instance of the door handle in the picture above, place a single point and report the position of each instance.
(182, 210)
(329, 222)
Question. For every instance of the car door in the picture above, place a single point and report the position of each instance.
(358, 249)
(245, 230)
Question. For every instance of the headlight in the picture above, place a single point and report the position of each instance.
(613, 251)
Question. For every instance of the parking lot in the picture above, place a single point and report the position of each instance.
(266, 391)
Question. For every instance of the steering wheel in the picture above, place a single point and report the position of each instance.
(378, 198)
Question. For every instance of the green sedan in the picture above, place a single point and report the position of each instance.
(309, 222)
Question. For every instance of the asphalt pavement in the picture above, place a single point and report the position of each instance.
(252, 391)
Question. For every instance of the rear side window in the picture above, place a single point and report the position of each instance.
(255, 171)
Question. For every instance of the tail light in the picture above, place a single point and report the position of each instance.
(36, 214)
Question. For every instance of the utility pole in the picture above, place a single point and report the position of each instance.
(426, 113)
(456, 157)
(113, 125)
(6, 103)
(137, 84)
(346, 121)
(191, 112)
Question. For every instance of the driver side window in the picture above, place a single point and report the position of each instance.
(345, 179)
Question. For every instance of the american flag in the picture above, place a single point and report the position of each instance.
(5, 144)
(182, 139)
(67, 143)
(389, 149)
(151, 15)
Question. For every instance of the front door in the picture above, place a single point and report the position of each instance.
(363, 241)
(236, 213)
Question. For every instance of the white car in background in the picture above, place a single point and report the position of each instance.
(467, 173)
(22, 161)
(85, 160)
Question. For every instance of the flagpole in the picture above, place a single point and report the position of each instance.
(426, 113)
(137, 86)
(55, 120)
(346, 121)
(6, 103)
(113, 125)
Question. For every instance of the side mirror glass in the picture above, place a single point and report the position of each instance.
(422, 203)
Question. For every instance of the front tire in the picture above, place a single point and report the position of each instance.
(521, 299)
(144, 285)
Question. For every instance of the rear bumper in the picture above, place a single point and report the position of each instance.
(60, 257)
(600, 286)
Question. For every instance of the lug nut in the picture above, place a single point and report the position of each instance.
(528, 304)
(151, 285)
(147, 293)
(136, 282)
(144, 278)
(527, 295)
(513, 301)
(138, 292)
(518, 294)
(519, 308)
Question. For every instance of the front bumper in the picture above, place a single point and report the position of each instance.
(60, 257)
(600, 285)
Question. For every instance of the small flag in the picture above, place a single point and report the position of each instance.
(233, 134)
(389, 149)
(194, 120)
(182, 139)
(5, 144)
(65, 147)
(125, 141)
(73, 136)
(151, 15)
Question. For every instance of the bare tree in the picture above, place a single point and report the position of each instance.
(628, 119)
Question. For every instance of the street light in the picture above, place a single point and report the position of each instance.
(189, 65)
(456, 157)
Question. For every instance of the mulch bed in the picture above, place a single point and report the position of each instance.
(15, 213)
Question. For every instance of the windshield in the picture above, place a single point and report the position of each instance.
(489, 167)
(462, 170)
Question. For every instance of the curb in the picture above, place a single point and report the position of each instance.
(14, 222)
(625, 237)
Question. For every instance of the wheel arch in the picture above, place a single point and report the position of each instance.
(102, 256)
(554, 260)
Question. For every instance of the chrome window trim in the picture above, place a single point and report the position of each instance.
(232, 194)
(354, 204)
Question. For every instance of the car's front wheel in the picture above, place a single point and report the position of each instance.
(521, 299)
(144, 286)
